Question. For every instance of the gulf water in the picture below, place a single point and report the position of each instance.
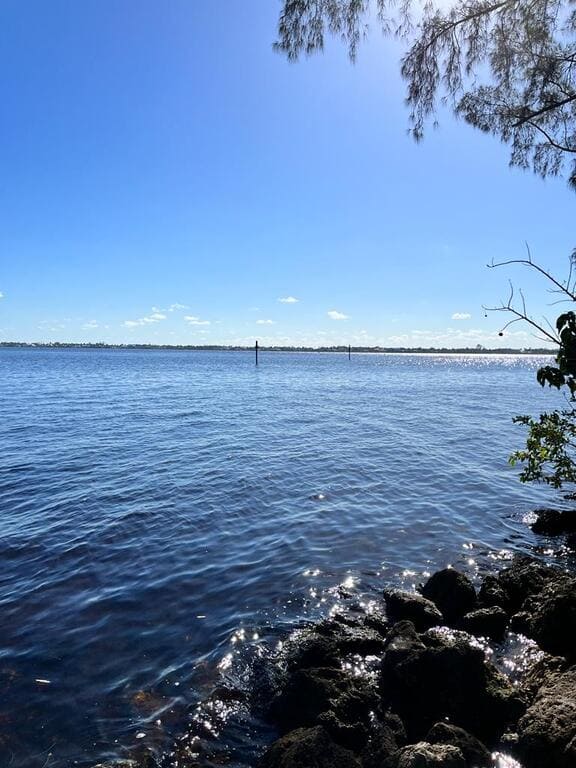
(163, 513)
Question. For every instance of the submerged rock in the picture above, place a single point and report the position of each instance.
(425, 755)
(486, 622)
(554, 522)
(307, 747)
(547, 732)
(416, 608)
(452, 592)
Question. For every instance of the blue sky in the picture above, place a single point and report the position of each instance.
(166, 177)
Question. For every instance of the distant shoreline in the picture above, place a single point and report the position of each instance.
(479, 350)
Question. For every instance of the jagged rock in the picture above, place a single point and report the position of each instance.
(307, 747)
(310, 693)
(362, 636)
(427, 678)
(540, 674)
(401, 605)
(554, 522)
(547, 732)
(424, 755)
(452, 592)
(525, 578)
(486, 622)
(491, 593)
(553, 618)
(474, 752)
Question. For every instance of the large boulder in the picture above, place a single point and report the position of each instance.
(554, 522)
(486, 622)
(552, 618)
(425, 755)
(329, 697)
(451, 592)
(435, 676)
(411, 606)
(307, 747)
(474, 752)
(492, 594)
(525, 578)
(547, 732)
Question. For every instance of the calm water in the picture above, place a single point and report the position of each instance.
(158, 509)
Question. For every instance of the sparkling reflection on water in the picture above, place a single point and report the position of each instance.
(162, 510)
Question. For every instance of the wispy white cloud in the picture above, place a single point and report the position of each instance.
(89, 326)
(265, 322)
(288, 300)
(155, 317)
(1, 295)
(192, 320)
(461, 316)
(334, 315)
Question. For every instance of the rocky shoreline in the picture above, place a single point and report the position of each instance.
(414, 683)
(434, 699)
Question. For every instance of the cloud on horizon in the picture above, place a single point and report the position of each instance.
(192, 320)
(155, 317)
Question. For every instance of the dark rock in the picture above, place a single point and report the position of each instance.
(553, 618)
(571, 541)
(309, 693)
(520, 623)
(378, 623)
(474, 752)
(353, 735)
(525, 578)
(452, 592)
(492, 594)
(413, 607)
(547, 732)
(424, 755)
(540, 674)
(486, 622)
(554, 522)
(359, 636)
(307, 747)
(428, 678)
(383, 744)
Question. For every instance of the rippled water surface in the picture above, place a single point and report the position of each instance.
(160, 508)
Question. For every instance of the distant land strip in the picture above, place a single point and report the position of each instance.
(477, 350)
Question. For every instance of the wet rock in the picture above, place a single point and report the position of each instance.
(554, 522)
(553, 618)
(326, 644)
(401, 605)
(452, 592)
(425, 755)
(353, 735)
(525, 578)
(432, 677)
(361, 636)
(547, 732)
(540, 674)
(307, 747)
(310, 693)
(520, 623)
(383, 744)
(492, 594)
(571, 541)
(486, 622)
(474, 752)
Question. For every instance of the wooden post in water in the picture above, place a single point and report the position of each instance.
(256, 351)
(349, 352)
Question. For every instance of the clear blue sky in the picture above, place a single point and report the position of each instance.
(166, 177)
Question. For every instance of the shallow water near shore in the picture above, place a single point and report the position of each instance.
(166, 512)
